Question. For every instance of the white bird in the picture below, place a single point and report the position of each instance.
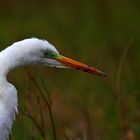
(25, 52)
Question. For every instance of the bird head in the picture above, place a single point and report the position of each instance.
(42, 52)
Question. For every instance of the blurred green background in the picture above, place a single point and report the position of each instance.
(79, 106)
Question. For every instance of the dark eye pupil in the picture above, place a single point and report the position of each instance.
(49, 54)
(46, 53)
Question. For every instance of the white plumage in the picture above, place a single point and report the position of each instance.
(28, 51)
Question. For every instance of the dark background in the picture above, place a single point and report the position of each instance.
(79, 106)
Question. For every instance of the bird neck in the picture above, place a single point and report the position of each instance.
(9, 59)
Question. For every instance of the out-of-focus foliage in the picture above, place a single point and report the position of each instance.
(104, 33)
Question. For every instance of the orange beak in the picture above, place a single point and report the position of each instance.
(79, 66)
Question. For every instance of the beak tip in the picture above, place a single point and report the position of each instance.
(104, 74)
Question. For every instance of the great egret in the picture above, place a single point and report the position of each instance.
(28, 51)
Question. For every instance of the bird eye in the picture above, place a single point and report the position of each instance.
(50, 54)
(46, 53)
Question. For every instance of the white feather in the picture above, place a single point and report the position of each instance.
(20, 53)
